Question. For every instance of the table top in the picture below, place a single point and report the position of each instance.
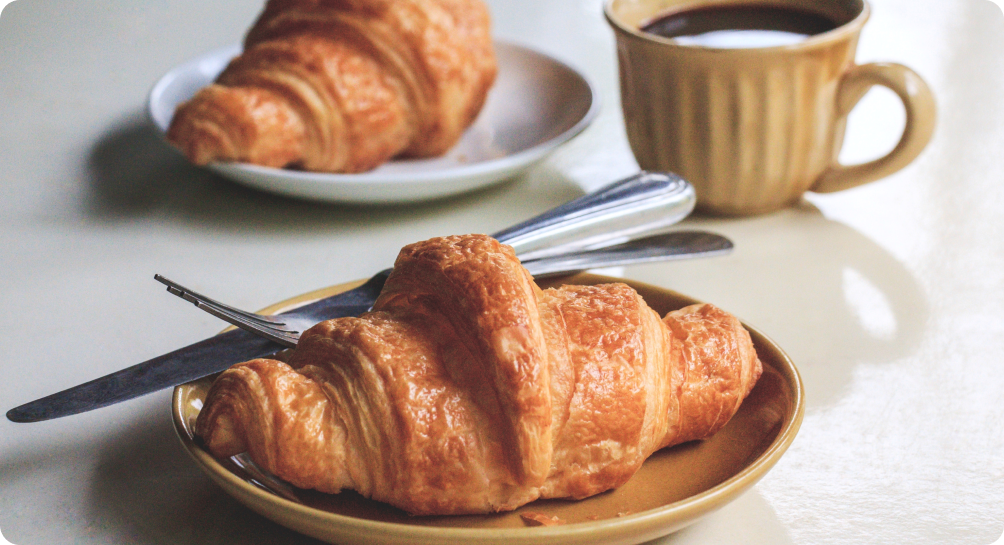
(888, 297)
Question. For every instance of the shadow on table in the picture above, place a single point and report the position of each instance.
(135, 175)
(146, 487)
(852, 303)
(749, 520)
(141, 488)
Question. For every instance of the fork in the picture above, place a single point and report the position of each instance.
(285, 329)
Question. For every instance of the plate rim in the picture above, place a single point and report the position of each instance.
(514, 161)
(646, 523)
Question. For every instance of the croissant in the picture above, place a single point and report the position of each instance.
(344, 85)
(468, 389)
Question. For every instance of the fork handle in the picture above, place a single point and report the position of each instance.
(645, 204)
(348, 303)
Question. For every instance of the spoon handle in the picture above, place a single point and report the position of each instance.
(644, 204)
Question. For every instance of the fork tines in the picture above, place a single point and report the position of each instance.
(272, 328)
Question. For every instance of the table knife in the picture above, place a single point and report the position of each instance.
(643, 204)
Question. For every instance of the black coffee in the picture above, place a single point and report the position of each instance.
(740, 26)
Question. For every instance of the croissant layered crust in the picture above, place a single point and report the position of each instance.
(344, 85)
(467, 389)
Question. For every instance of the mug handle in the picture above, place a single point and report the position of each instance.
(920, 118)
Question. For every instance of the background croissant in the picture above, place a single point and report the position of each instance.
(344, 85)
(470, 390)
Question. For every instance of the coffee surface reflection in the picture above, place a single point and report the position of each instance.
(739, 26)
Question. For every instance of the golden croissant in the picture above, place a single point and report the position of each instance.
(344, 85)
(468, 389)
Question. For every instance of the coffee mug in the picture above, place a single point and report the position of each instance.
(754, 128)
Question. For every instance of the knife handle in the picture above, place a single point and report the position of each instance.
(644, 204)
(667, 246)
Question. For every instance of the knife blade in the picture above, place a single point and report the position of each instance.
(186, 364)
(177, 367)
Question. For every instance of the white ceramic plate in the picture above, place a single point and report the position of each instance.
(536, 104)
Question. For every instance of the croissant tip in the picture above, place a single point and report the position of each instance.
(201, 142)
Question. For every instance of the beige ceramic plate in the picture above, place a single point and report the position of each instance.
(674, 488)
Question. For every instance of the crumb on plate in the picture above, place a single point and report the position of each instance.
(533, 518)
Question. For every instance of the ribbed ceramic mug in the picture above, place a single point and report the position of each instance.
(753, 129)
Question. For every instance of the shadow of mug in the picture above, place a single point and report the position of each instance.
(829, 310)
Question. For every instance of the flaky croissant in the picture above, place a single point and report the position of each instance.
(469, 390)
(344, 85)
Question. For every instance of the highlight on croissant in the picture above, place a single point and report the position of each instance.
(344, 85)
(468, 389)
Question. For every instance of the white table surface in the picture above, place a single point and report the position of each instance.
(889, 298)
